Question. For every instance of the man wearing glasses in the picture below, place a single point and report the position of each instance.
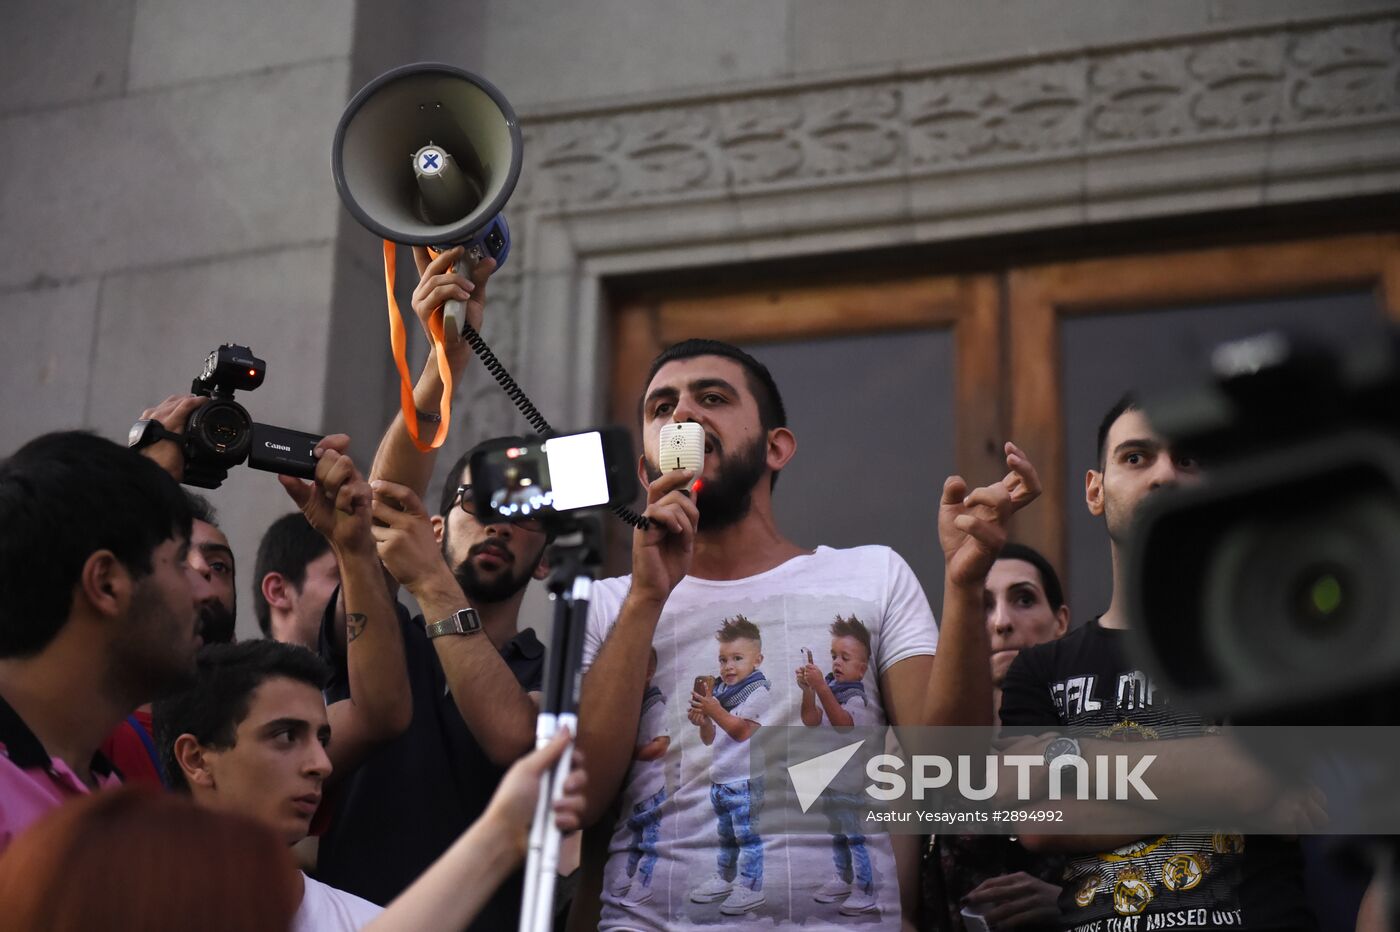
(473, 673)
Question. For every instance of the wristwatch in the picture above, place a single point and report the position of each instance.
(1064, 747)
(1061, 747)
(148, 431)
(464, 621)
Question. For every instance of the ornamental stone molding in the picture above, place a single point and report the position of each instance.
(1290, 113)
(1255, 84)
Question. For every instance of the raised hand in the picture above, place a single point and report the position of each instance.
(661, 554)
(972, 527)
(173, 414)
(512, 807)
(438, 283)
(337, 502)
(403, 533)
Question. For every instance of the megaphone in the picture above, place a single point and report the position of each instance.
(427, 155)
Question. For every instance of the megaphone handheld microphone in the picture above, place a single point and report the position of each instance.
(682, 446)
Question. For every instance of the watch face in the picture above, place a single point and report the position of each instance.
(137, 432)
(1060, 747)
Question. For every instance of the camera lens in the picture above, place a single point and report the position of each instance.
(1321, 599)
(1292, 598)
(220, 433)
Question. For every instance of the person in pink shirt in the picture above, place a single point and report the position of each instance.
(97, 612)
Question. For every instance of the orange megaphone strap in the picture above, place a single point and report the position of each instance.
(398, 342)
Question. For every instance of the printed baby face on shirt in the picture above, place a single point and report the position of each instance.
(738, 658)
(849, 658)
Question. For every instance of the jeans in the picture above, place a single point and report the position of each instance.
(645, 823)
(843, 812)
(736, 810)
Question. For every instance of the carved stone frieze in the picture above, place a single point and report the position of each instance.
(1261, 82)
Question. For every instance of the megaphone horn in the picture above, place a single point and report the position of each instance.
(427, 155)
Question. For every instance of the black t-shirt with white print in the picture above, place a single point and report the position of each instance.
(1198, 881)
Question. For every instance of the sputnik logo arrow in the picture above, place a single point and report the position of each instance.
(811, 777)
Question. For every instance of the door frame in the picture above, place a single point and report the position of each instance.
(1040, 297)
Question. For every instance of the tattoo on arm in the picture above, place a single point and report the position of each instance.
(354, 625)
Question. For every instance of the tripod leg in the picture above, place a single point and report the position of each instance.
(546, 725)
(549, 854)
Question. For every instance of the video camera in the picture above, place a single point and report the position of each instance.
(1270, 592)
(220, 434)
(550, 479)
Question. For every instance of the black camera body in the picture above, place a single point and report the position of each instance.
(552, 479)
(1270, 592)
(221, 434)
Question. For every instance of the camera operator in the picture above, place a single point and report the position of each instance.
(210, 554)
(97, 612)
(329, 508)
(715, 571)
(1198, 881)
(474, 681)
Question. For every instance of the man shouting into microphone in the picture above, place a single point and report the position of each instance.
(708, 561)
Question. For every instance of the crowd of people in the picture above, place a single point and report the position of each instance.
(359, 767)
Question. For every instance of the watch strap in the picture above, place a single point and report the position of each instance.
(462, 621)
(149, 431)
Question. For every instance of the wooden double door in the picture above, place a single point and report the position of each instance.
(893, 384)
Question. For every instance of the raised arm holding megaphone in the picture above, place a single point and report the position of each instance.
(427, 155)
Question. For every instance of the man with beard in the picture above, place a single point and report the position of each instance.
(474, 674)
(97, 612)
(473, 709)
(721, 554)
(131, 748)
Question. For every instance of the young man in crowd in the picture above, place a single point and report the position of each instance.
(97, 612)
(1085, 680)
(474, 673)
(722, 554)
(293, 579)
(253, 735)
(131, 748)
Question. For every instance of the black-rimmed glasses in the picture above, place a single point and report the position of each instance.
(464, 500)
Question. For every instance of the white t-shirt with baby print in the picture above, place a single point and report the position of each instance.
(793, 606)
(731, 761)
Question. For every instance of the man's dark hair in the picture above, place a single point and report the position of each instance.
(1128, 402)
(227, 676)
(852, 627)
(200, 508)
(454, 475)
(771, 412)
(287, 547)
(731, 629)
(1049, 579)
(63, 497)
